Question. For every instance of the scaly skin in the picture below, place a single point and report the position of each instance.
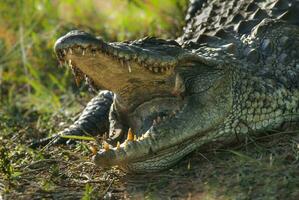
(233, 72)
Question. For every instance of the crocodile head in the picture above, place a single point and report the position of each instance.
(172, 98)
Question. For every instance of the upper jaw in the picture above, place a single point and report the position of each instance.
(124, 68)
(141, 52)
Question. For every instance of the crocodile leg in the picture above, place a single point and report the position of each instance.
(92, 121)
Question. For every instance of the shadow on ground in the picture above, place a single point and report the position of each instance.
(266, 169)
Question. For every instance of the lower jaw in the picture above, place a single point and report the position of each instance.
(153, 165)
(166, 158)
(151, 112)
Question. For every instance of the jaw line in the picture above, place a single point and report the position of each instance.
(149, 146)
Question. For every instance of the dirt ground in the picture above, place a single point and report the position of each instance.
(267, 168)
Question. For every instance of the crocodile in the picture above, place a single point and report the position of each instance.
(233, 73)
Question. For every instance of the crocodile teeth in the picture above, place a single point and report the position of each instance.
(70, 63)
(93, 149)
(122, 63)
(70, 51)
(78, 80)
(60, 63)
(83, 52)
(129, 68)
(118, 145)
(130, 135)
(106, 146)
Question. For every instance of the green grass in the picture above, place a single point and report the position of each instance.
(38, 99)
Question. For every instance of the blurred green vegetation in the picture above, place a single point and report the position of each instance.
(29, 78)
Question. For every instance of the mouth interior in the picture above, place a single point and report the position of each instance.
(146, 115)
(154, 112)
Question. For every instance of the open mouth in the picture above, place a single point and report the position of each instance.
(153, 112)
(141, 123)
(146, 115)
(157, 116)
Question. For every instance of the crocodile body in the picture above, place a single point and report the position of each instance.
(233, 72)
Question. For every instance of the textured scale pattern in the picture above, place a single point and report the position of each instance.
(220, 17)
(263, 37)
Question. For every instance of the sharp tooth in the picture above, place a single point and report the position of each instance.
(156, 69)
(115, 52)
(122, 62)
(83, 52)
(64, 52)
(70, 51)
(70, 62)
(130, 135)
(129, 68)
(145, 135)
(125, 143)
(93, 149)
(118, 145)
(135, 137)
(106, 146)
(60, 64)
(105, 136)
(78, 80)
